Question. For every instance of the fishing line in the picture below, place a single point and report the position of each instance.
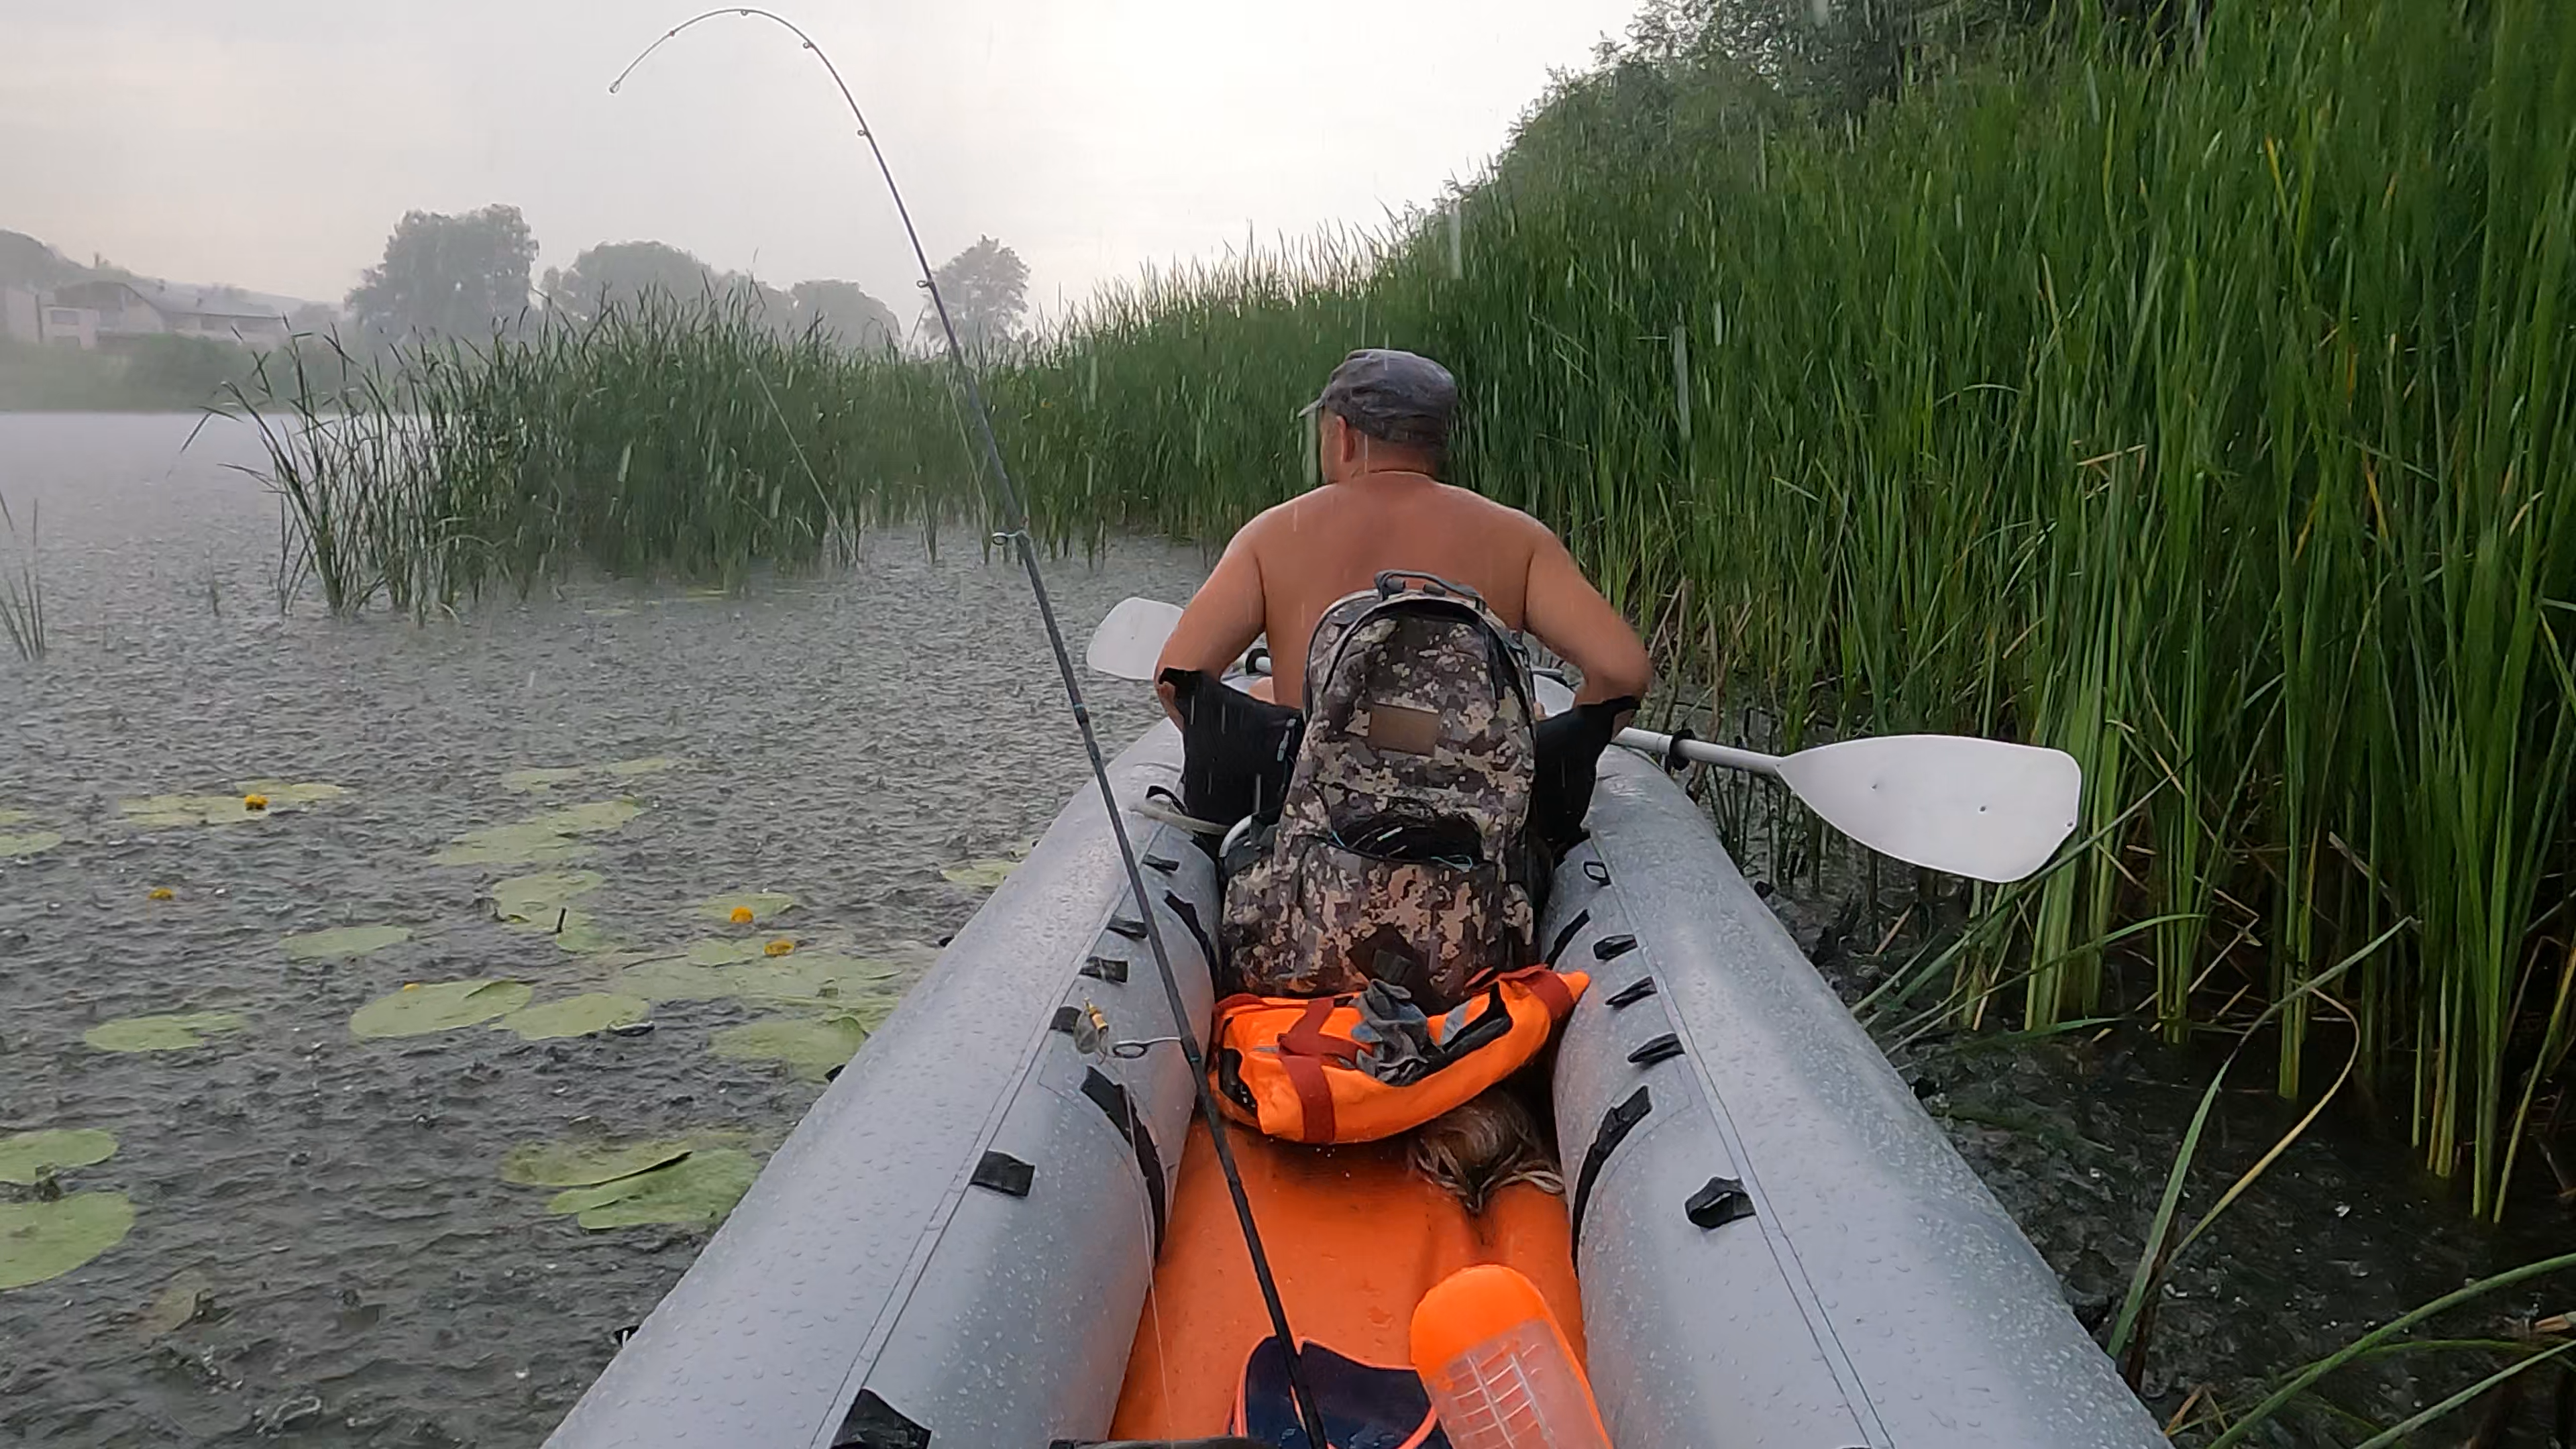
(1016, 532)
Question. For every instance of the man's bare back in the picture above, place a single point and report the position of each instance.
(1288, 565)
(1381, 508)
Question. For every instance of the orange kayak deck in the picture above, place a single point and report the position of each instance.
(1355, 1240)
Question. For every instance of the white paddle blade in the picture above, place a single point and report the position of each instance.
(1979, 808)
(1128, 642)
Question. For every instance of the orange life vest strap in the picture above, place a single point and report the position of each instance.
(1307, 1039)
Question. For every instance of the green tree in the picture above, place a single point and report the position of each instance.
(620, 272)
(986, 287)
(846, 312)
(458, 275)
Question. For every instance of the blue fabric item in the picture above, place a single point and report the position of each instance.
(1364, 1406)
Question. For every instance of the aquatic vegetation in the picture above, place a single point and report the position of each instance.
(32, 842)
(425, 1009)
(26, 1157)
(718, 970)
(343, 943)
(274, 797)
(980, 875)
(535, 899)
(585, 1163)
(576, 1015)
(44, 1240)
(778, 947)
(186, 1298)
(644, 765)
(551, 836)
(52, 1235)
(22, 589)
(696, 1190)
(167, 1033)
(160, 893)
(808, 1046)
(744, 907)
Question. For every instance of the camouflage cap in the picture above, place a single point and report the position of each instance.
(1395, 397)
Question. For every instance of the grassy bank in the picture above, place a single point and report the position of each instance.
(158, 374)
(2199, 404)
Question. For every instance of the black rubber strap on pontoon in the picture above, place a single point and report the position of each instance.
(1112, 1098)
(1565, 937)
(1004, 1174)
(1721, 1202)
(872, 1423)
(1131, 927)
(1106, 968)
(1632, 993)
(1066, 1019)
(1616, 1124)
(1188, 916)
(1610, 947)
(1662, 1048)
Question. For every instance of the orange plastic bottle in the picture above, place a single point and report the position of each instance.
(1500, 1373)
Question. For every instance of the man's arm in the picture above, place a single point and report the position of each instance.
(1569, 616)
(1223, 618)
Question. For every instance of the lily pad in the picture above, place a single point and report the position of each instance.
(343, 943)
(41, 1240)
(33, 842)
(672, 979)
(178, 810)
(698, 1190)
(188, 1296)
(576, 1015)
(28, 1156)
(980, 875)
(808, 1046)
(551, 836)
(534, 899)
(761, 904)
(585, 1164)
(534, 781)
(14, 817)
(174, 1033)
(824, 975)
(439, 1006)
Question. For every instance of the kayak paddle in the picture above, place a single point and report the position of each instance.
(1984, 809)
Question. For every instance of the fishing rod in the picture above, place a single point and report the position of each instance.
(1016, 532)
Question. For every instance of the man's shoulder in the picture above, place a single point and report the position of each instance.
(1493, 513)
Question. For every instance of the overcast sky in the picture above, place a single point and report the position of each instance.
(273, 143)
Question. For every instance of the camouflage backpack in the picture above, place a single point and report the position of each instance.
(1395, 854)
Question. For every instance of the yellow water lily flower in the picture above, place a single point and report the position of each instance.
(254, 802)
(411, 986)
(742, 915)
(160, 893)
(779, 947)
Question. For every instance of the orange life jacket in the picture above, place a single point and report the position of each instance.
(1290, 1067)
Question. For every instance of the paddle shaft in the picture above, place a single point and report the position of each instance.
(1699, 752)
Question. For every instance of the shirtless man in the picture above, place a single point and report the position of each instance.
(1383, 426)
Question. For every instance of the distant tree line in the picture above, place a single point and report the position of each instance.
(465, 275)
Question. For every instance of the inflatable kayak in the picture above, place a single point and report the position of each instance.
(1001, 1226)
